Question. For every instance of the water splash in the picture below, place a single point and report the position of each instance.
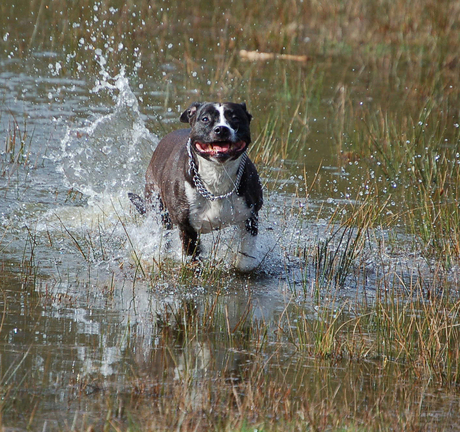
(110, 155)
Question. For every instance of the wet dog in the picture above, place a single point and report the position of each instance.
(203, 180)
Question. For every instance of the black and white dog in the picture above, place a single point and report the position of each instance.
(204, 180)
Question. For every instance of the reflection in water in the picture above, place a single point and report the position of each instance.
(66, 359)
(72, 349)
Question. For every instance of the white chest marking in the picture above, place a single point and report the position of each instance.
(206, 216)
(219, 178)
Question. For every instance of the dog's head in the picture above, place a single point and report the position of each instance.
(220, 131)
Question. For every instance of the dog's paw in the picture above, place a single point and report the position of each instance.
(245, 262)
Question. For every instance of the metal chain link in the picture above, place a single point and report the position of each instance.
(201, 188)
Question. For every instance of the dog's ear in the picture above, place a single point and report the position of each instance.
(243, 105)
(188, 116)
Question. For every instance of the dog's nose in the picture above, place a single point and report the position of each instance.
(221, 131)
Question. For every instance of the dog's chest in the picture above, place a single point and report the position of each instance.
(206, 215)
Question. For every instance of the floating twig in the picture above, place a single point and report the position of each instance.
(262, 56)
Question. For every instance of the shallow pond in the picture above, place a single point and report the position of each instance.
(103, 323)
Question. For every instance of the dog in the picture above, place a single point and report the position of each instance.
(202, 179)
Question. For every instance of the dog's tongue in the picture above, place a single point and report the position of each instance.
(219, 147)
(213, 148)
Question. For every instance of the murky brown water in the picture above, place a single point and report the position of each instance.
(80, 332)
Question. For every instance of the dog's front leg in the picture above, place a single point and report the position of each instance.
(190, 240)
(247, 259)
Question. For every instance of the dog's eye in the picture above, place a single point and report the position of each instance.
(204, 119)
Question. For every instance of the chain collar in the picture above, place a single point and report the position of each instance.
(201, 188)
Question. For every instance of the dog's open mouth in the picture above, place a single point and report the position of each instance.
(220, 148)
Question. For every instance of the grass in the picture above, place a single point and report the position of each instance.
(17, 147)
(418, 160)
(419, 335)
(380, 91)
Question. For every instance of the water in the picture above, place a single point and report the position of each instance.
(83, 321)
(66, 217)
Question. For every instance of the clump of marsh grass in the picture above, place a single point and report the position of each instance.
(17, 146)
(335, 256)
(420, 335)
(338, 257)
(419, 162)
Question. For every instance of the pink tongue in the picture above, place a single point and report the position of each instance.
(218, 148)
(213, 148)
